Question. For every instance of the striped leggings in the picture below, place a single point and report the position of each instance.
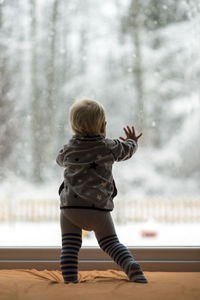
(72, 223)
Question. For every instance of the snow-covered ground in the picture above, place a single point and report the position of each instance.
(48, 234)
(132, 234)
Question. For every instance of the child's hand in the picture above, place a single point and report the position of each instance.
(130, 134)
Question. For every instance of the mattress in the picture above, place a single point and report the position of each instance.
(31, 284)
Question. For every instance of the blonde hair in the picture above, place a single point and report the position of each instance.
(87, 116)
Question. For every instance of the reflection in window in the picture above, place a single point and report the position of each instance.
(141, 60)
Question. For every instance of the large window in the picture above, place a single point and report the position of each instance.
(141, 59)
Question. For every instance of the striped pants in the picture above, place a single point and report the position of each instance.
(72, 223)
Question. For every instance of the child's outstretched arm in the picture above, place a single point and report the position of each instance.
(125, 149)
(130, 134)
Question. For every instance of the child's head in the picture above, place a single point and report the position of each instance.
(88, 117)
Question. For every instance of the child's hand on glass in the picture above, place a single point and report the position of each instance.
(130, 134)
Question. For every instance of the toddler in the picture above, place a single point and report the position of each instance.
(86, 195)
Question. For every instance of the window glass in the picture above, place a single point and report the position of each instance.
(141, 60)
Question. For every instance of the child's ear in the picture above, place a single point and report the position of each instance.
(103, 127)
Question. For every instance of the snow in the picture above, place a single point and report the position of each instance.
(97, 35)
(18, 233)
(49, 234)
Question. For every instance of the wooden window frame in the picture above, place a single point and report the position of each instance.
(170, 259)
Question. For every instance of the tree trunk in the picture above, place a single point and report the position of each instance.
(8, 130)
(135, 26)
(51, 86)
(137, 68)
(35, 104)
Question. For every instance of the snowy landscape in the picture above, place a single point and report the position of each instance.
(141, 60)
(48, 235)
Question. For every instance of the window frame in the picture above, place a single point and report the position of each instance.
(156, 258)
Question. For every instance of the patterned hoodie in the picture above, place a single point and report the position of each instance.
(88, 180)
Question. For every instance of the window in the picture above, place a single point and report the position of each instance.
(141, 60)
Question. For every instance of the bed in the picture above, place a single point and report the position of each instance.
(32, 284)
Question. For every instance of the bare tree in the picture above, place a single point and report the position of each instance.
(35, 101)
(7, 128)
(51, 79)
(135, 30)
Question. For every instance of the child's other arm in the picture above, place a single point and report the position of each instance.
(60, 157)
(124, 150)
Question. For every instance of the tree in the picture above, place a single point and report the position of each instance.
(52, 71)
(36, 126)
(132, 26)
(7, 105)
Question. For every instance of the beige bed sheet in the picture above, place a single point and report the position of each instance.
(95, 285)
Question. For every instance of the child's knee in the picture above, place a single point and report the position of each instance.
(107, 242)
(72, 241)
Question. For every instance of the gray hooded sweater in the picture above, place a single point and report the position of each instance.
(88, 180)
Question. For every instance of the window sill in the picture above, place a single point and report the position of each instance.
(172, 259)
